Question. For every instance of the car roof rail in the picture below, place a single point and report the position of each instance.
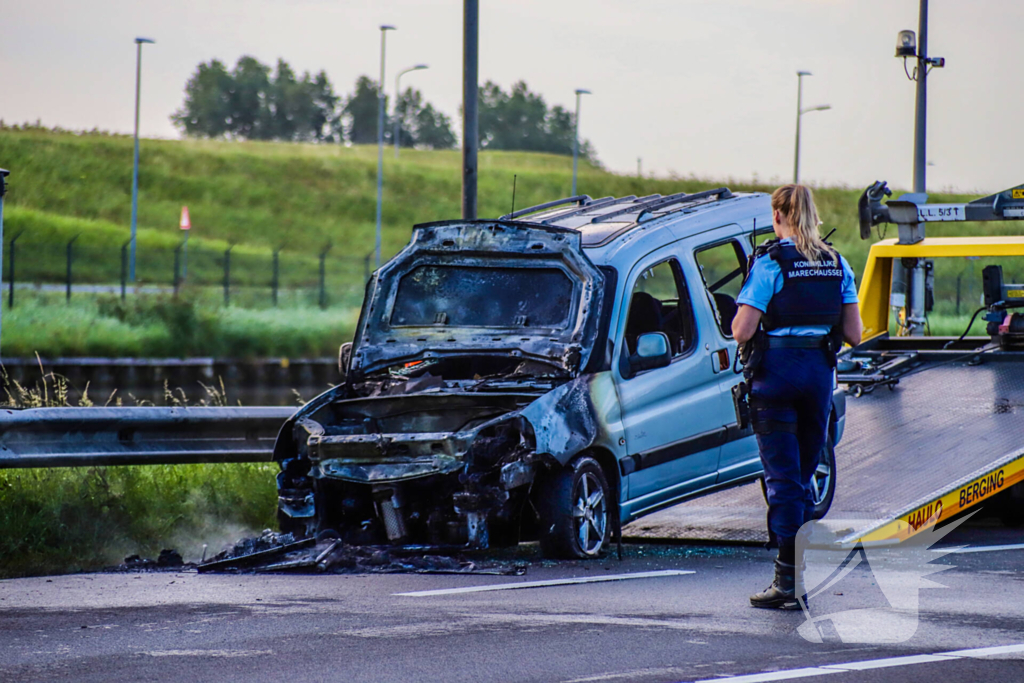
(721, 192)
(659, 202)
(596, 204)
(580, 198)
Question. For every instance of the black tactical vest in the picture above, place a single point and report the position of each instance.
(811, 294)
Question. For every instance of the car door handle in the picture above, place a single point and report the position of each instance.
(720, 360)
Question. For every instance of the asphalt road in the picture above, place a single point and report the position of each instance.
(669, 627)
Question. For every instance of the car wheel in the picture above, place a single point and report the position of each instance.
(574, 507)
(823, 483)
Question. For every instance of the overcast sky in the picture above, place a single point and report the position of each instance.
(703, 87)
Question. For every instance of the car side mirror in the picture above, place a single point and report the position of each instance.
(344, 358)
(652, 351)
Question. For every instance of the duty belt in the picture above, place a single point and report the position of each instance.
(791, 342)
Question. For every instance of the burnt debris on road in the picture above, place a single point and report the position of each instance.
(273, 552)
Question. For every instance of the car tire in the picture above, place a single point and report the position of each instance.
(824, 482)
(574, 507)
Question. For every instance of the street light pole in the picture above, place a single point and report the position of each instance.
(800, 111)
(921, 105)
(398, 93)
(576, 139)
(380, 137)
(135, 165)
(470, 96)
(913, 271)
(799, 104)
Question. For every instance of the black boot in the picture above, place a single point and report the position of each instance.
(782, 593)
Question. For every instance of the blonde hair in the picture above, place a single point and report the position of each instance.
(796, 203)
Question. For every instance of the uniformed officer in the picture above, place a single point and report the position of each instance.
(798, 302)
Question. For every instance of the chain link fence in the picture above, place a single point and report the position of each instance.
(234, 275)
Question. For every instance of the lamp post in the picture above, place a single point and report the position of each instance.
(914, 271)
(470, 97)
(380, 135)
(800, 111)
(909, 45)
(576, 138)
(135, 165)
(398, 93)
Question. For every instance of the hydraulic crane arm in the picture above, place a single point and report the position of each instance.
(912, 211)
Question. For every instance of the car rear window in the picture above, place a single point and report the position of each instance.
(467, 296)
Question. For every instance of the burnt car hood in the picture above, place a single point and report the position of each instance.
(437, 320)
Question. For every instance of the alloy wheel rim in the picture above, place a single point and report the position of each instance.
(820, 482)
(590, 519)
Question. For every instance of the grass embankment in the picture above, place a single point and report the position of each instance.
(262, 196)
(78, 519)
(157, 326)
(66, 520)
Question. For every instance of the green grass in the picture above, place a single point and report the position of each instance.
(66, 520)
(161, 326)
(63, 520)
(264, 195)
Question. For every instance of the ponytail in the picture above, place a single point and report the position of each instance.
(796, 203)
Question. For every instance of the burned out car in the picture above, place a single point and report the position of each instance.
(552, 374)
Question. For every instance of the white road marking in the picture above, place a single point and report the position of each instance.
(980, 549)
(987, 651)
(889, 662)
(908, 660)
(206, 653)
(776, 675)
(544, 584)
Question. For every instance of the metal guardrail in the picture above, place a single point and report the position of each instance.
(77, 437)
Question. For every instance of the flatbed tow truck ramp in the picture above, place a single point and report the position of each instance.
(934, 425)
(942, 441)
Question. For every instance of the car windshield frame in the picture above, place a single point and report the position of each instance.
(449, 295)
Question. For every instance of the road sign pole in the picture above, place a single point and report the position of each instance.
(186, 225)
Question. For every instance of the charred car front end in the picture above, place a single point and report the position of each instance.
(470, 377)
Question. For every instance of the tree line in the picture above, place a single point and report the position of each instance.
(253, 101)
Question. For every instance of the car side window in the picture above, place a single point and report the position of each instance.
(722, 267)
(660, 302)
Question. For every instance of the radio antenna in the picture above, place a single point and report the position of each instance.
(513, 195)
(753, 250)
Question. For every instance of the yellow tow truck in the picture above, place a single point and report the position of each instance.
(949, 432)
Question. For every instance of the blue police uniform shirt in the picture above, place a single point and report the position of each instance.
(766, 280)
